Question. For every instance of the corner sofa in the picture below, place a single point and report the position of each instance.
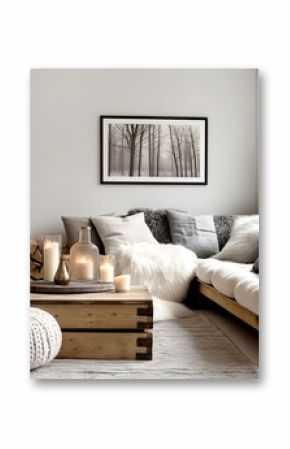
(231, 285)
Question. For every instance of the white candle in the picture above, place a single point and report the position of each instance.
(50, 260)
(123, 283)
(107, 272)
(84, 269)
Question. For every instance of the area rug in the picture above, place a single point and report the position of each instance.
(188, 348)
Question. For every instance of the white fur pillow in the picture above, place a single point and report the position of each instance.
(115, 231)
(243, 244)
(166, 270)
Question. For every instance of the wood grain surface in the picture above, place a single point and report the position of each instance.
(230, 305)
(106, 345)
(136, 295)
(101, 316)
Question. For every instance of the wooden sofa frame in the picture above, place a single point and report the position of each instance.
(229, 304)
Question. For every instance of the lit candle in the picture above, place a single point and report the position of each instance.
(123, 283)
(107, 272)
(50, 260)
(84, 269)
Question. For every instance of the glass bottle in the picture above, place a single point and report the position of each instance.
(84, 258)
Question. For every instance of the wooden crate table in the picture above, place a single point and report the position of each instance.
(107, 325)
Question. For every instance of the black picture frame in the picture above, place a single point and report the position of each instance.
(106, 178)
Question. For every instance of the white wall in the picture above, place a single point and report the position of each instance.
(65, 149)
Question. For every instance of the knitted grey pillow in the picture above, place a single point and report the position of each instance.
(223, 225)
(157, 222)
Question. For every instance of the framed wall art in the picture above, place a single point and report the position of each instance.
(153, 150)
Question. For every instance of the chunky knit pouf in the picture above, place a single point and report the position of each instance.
(45, 337)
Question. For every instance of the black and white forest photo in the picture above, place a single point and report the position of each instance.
(155, 150)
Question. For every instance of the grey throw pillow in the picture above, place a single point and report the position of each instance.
(195, 233)
(72, 225)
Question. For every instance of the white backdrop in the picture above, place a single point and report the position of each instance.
(106, 415)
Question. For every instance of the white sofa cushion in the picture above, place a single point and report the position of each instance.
(235, 280)
(206, 269)
(247, 292)
(226, 277)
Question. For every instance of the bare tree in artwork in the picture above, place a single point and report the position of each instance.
(173, 151)
(141, 137)
(158, 149)
(194, 154)
(131, 137)
(149, 150)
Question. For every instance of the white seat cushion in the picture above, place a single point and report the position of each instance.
(235, 280)
(207, 268)
(227, 276)
(247, 292)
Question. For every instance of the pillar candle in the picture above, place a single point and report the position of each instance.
(84, 269)
(50, 260)
(123, 283)
(107, 272)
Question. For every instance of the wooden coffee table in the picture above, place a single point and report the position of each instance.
(106, 326)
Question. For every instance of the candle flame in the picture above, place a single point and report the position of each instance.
(50, 244)
(83, 260)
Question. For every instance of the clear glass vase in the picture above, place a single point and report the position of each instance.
(84, 258)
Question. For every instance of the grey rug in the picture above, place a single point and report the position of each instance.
(190, 348)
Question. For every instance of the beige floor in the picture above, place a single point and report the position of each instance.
(242, 336)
